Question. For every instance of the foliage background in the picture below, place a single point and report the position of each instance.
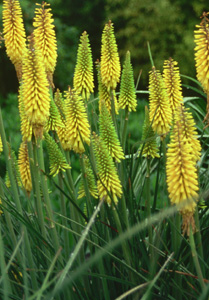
(168, 25)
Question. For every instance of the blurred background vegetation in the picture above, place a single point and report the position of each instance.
(168, 25)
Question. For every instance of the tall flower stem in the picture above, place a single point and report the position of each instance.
(64, 220)
(195, 259)
(87, 193)
(14, 187)
(124, 132)
(8, 219)
(199, 240)
(43, 178)
(6, 283)
(176, 241)
(148, 206)
(36, 186)
(125, 247)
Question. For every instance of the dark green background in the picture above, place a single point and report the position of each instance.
(167, 24)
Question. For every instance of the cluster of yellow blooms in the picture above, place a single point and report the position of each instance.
(35, 62)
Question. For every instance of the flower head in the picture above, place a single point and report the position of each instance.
(26, 127)
(160, 110)
(104, 93)
(127, 96)
(14, 33)
(201, 36)
(44, 37)
(148, 137)
(109, 135)
(181, 174)
(189, 132)
(108, 184)
(57, 161)
(83, 81)
(110, 63)
(35, 93)
(90, 181)
(173, 83)
(24, 167)
(77, 125)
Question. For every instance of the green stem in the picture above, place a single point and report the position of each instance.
(64, 220)
(46, 194)
(126, 250)
(87, 193)
(14, 187)
(36, 186)
(148, 207)
(8, 220)
(6, 283)
(195, 259)
(125, 126)
(199, 240)
(150, 54)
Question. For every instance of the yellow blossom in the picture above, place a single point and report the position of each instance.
(44, 38)
(24, 167)
(77, 125)
(14, 33)
(110, 63)
(173, 83)
(35, 93)
(160, 110)
(181, 175)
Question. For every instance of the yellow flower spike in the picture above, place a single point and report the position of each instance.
(104, 94)
(110, 63)
(127, 96)
(108, 184)
(201, 36)
(14, 33)
(90, 181)
(160, 110)
(83, 81)
(24, 167)
(61, 130)
(77, 125)
(149, 145)
(57, 161)
(26, 128)
(189, 132)
(172, 80)
(181, 174)
(44, 38)
(109, 135)
(36, 97)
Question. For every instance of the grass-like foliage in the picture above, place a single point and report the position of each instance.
(87, 212)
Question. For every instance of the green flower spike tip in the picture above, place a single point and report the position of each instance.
(150, 148)
(127, 96)
(108, 183)
(109, 135)
(83, 80)
(57, 161)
